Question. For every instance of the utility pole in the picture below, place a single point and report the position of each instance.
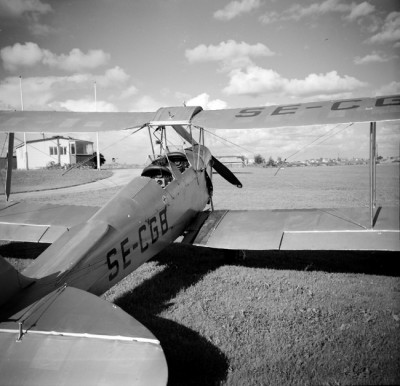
(97, 133)
(22, 109)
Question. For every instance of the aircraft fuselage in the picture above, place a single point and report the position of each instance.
(137, 223)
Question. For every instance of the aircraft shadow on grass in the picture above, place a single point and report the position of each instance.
(191, 357)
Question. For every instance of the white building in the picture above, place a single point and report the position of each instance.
(232, 161)
(58, 150)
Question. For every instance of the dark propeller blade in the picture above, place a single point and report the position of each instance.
(221, 169)
(184, 134)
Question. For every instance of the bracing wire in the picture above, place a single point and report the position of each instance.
(222, 139)
(327, 135)
(110, 145)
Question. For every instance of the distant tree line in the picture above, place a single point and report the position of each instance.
(260, 160)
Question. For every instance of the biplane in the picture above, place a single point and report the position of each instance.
(53, 327)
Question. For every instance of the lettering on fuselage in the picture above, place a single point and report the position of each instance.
(147, 234)
(348, 104)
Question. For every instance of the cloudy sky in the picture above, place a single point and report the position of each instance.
(145, 54)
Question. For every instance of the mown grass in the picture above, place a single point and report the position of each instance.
(261, 321)
(320, 318)
(43, 179)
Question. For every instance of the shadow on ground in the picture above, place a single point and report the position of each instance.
(22, 250)
(191, 358)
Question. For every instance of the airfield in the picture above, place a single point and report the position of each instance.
(228, 318)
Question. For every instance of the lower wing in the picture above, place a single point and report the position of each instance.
(297, 229)
(71, 337)
(40, 223)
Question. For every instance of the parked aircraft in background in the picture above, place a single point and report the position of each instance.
(54, 330)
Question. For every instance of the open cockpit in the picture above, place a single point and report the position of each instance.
(161, 169)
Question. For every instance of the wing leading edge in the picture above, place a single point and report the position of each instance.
(298, 229)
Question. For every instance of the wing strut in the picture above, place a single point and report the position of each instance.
(372, 171)
(9, 164)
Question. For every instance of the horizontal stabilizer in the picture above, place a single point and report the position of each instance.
(299, 229)
(71, 337)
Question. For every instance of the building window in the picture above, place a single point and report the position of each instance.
(53, 150)
(72, 147)
(63, 150)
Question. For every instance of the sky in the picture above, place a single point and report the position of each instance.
(147, 54)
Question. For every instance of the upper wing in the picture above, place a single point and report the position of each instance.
(44, 223)
(339, 111)
(297, 229)
(62, 122)
(327, 112)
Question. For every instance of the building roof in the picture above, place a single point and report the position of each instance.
(52, 139)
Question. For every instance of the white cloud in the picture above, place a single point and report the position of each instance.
(46, 92)
(37, 92)
(230, 54)
(21, 55)
(390, 30)
(16, 8)
(254, 81)
(360, 10)
(236, 8)
(329, 83)
(113, 77)
(128, 92)
(259, 81)
(350, 11)
(373, 57)
(392, 88)
(204, 101)
(146, 103)
(76, 60)
(30, 12)
(298, 12)
(30, 54)
(226, 51)
(83, 105)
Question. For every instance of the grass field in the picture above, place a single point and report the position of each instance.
(42, 179)
(320, 318)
